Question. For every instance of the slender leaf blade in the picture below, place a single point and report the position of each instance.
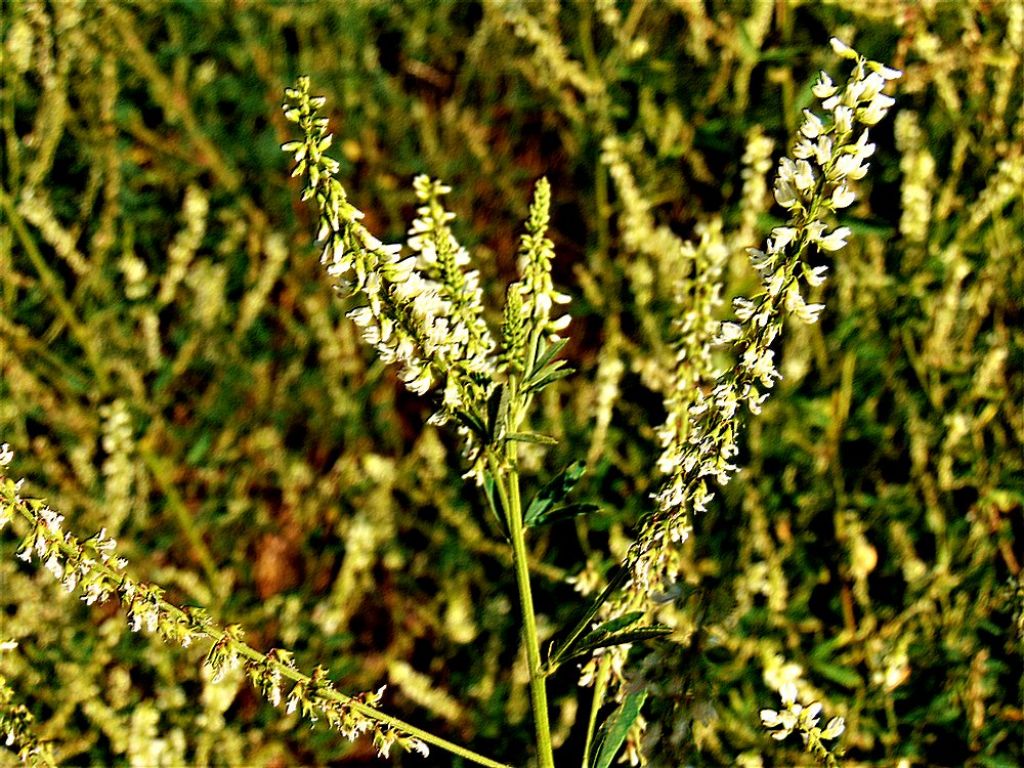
(589, 644)
(616, 728)
(617, 624)
(554, 375)
(546, 354)
(554, 492)
(565, 646)
(492, 504)
(566, 512)
(531, 437)
(496, 403)
(472, 422)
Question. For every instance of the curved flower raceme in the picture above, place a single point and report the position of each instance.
(830, 154)
(421, 312)
(91, 567)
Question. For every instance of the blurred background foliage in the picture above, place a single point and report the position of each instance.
(176, 370)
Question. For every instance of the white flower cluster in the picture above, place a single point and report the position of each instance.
(385, 739)
(801, 719)
(757, 163)
(698, 294)
(555, 68)
(143, 606)
(421, 312)
(70, 572)
(186, 243)
(535, 254)
(638, 229)
(424, 312)
(120, 465)
(814, 183)
(919, 183)
(441, 260)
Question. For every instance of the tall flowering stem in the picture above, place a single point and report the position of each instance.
(830, 154)
(528, 333)
(424, 312)
(92, 567)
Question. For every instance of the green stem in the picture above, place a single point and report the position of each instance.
(600, 686)
(538, 691)
(363, 709)
(506, 478)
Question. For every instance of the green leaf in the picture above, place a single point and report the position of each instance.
(497, 412)
(472, 422)
(534, 385)
(594, 641)
(566, 512)
(199, 449)
(998, 761)
(783, 55)
(616, 728)
(531, 437)
(554, 492)
(622, 622)
(545, 354)
(492, 505)
(844, 676)
(566, 645)
(545, 368)
(868, 227)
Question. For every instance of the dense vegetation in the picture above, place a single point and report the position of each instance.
(176, 370)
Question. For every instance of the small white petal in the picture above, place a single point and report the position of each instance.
(843, 197)
(842, 49)
(824, 87)
(886, 72)
(876, 110)
(812, 126)
(781, 237)
(834, 728)
(836, 240)
(843, 116)
(785, 194)
(787, 692)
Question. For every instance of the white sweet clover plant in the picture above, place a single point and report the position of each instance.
(700, 435)
(424, 313)
(704, 408)
(422, 310)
